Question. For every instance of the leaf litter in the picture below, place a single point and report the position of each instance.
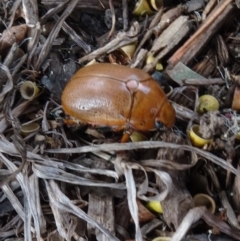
(49, 178)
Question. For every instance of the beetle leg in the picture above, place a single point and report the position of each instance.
(126, 135)
(71, 122)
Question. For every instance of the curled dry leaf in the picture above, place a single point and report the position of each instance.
(10, 36)
(145, 145)
(198, 213)
(8, 85)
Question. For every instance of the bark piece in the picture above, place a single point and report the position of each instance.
(123, 215)
(168, 40)
(168, 37)
(101, 210)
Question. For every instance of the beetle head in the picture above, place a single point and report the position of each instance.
(159, 125)
(166, 115)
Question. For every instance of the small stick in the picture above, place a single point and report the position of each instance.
(208, 8)
(125, 14)
(113, 19)
(122, 38)
(211, 81)
(150, 31)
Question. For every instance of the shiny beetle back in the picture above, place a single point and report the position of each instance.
(118, 97)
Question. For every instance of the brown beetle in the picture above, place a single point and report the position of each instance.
(118, 97)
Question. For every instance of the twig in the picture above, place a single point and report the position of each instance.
(113, 19)
(125, 14)
(208, 8)
(150, 31)
(211, 81)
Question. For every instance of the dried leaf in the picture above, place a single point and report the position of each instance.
(10, 36)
